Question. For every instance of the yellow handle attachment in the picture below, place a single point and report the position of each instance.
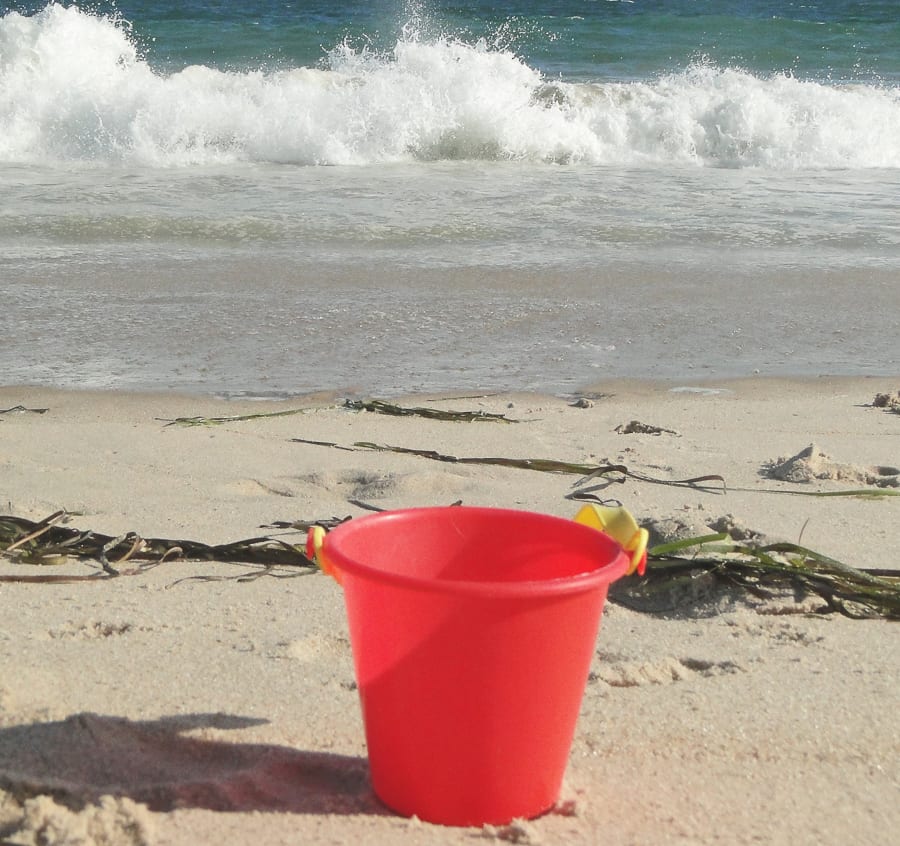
(618, 523)
(315, 540)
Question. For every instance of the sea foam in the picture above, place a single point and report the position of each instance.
(75, 88)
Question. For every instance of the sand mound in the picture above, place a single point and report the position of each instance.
(691, 524)
(813, 464)
(111, 822)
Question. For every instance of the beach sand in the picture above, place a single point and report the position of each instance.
(190, 703)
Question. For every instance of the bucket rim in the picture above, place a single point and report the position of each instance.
(600, 577)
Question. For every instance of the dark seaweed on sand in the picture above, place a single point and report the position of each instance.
(675, 569)
(382, 407)
(47, 542)
(757, 569)
(375, 406)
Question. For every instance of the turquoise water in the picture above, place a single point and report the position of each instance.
(588, 40)
(269, 198)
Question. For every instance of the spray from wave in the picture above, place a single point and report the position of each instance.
(74, 88)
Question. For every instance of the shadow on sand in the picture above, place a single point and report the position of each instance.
(155, 762)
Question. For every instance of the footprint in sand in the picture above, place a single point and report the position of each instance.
(315, 647)
(415, 488)
(254, 487)
(661, 671)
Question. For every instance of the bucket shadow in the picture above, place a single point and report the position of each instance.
(86, 756)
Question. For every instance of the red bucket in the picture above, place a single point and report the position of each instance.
(472, 632)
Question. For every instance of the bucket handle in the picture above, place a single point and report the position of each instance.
(315, 552)
(618, 523)
(615, 521)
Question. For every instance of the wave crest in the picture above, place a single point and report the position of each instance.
(75, 88)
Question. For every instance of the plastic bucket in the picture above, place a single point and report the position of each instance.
(472, 632)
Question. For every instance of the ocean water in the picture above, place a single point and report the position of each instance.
(269, 198)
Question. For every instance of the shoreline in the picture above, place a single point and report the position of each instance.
(200, 700)
(602, 385)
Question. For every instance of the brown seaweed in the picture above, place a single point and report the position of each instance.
(755, 568)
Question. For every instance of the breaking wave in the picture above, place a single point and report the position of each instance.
(74, 87)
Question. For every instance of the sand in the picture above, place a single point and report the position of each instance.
(189, 703)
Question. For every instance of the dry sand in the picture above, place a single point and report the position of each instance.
(164, 709)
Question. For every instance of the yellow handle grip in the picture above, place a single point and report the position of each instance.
(315, 551)
(618, 523)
